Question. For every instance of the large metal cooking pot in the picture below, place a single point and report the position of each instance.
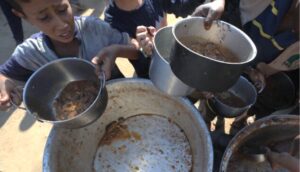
(262, 132)
(160, 71)
(44, 85)
(204, 73)
(74, 150)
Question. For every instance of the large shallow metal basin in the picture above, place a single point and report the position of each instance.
(267, 130)
(74, 150)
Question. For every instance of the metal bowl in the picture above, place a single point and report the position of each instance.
(42, 87)
(75, 150)
(242, 89)
(202, 72)
(160, 71)
(279, 92)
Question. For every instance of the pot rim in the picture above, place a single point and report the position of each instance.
(252, 55)
(26, 87)
(156, 37)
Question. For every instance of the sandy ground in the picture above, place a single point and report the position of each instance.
(22, 138)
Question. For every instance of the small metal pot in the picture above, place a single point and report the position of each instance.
(204, 73)
(279, 92)
(160, 71)
(42, 87)
(243, 89)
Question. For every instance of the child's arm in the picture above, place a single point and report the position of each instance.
(105, 59)
(211, 11)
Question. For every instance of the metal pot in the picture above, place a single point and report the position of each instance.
(204, 73)
(43, 86)
(160, 71)
(243, 89)
(74, 150)
(279, 92)
(261, 133)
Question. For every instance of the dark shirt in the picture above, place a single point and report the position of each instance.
(149, 14)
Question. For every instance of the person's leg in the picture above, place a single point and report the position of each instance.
(141, 66)
(15, 23)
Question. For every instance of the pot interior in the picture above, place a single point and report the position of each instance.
(221, 34)
(43, 86)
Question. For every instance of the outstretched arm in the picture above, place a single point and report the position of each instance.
(105, 59)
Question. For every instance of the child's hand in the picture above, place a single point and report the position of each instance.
(257, 78)
(7, 93)
(105, 61)
(284, 160)
(144, 36)
(212, 11)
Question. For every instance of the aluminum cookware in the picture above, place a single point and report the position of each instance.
(75, 150)
(44, 85)
(243, 89)
(160, 71)
(202, 72)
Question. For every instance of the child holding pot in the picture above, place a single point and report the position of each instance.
(141, 18)
(62, 35)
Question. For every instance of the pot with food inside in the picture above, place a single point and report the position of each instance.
(210, 60)
(66, 93)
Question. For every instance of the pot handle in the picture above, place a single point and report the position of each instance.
(14, 91)
(17, 106)
(23, 108)
(102, 79)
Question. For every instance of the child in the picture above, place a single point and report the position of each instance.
(131, 15)
(62, 36)
(273, 25)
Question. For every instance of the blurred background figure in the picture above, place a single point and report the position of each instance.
(14, 22)
(77, 5)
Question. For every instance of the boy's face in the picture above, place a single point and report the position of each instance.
(53, 17)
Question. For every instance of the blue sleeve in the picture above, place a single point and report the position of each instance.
(180, 7)
(12, 69)
(105, 33)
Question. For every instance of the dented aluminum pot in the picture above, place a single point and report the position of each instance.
(44, 85)
(202, 72)
(160, 71)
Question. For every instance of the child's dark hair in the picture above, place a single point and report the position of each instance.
(15, 4)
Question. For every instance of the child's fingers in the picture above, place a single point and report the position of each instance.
(145, 42)
(141, 31)
(209, 19)
(141, 28)
(97, 61)
(4, 100)
(141, 36)
(106, 68)
(201, 11)
(151, 31)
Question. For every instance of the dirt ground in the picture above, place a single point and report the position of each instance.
(22, 138)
